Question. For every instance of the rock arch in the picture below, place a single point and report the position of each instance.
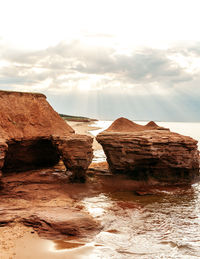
(33, 135)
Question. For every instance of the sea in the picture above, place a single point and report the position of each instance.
(164, 224)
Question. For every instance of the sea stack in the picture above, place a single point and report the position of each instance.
(33, 135)
(150, 153)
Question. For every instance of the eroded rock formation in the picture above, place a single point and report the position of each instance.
(150, 153)
(45, 201)
(33, 135)
(59, 222)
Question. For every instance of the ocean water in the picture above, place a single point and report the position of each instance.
(161, 225)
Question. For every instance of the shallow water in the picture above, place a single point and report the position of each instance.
(165, 224)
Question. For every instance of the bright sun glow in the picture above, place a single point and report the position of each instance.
(84, 86)
(37, 24)
(112, 51)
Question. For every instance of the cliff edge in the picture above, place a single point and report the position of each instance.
(33, 135)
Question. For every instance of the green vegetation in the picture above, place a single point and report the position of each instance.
(76, 118)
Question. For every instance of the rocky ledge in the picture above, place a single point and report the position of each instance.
(150, 153)
(33, 135)
(43, 200)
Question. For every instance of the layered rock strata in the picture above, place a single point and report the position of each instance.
(62, 222)
(33, 135)
(150, 153)
(44, 200)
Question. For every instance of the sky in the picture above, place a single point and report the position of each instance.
(138, 59)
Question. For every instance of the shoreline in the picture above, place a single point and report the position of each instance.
(18, 241)
(85, 128)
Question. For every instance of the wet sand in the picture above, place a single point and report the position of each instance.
(136, 223)
(21, 242)
(148, 224)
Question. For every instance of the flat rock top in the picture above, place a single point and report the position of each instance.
(29, 115)
(3, 93)
(149, 135)
(125, 129)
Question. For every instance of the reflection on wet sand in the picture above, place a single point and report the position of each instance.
(163, 223)
(63, 244)
(137, 222)
(33, 248)
(149, 226)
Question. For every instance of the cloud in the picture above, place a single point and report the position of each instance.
(66, 65)
(101, 81)
(144, 66)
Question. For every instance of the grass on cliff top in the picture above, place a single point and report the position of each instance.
(76, 118)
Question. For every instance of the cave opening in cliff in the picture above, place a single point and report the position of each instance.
(29, 155)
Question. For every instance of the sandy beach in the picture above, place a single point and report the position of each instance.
(18, 241)
(84, 128)
(123, 207)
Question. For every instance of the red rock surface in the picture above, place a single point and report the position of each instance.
(125, 125)
(33, 135)
(149, 153)
(43, 200)
(152, 124)
(76, 152)
(29, 115)
(59, 222)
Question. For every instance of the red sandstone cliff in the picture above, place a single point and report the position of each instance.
(150, 152)
(125, 125)
(33, 135)
(29, 115)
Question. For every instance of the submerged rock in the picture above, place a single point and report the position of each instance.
(150, 153)
(33, 135)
